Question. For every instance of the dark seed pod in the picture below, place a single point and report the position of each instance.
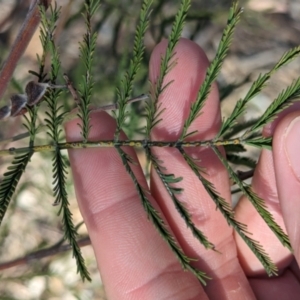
(16, 108)
(18, 104)
(35, 92)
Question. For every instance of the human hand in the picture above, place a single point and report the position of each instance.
(134, 261)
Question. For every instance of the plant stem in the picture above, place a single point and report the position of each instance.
(53, 250)
(113, 143)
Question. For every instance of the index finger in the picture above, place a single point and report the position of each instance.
(134, 260)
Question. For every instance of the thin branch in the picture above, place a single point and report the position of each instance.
(113, 143)
(73, 115)
(53, 250)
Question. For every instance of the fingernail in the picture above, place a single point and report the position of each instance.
(292, 146)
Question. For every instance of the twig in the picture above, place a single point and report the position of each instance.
(26, 32)
(72, 115)
(113, 143)
(75, 96)
(115, 105)
(53, 250)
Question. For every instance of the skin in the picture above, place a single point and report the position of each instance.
(134, 261)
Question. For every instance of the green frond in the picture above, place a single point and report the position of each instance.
(54, 115)
(257, 202)
(154, 108)
(60, 193)
(47, 28)
(255, 88)
(59, 169)
(283, 101)
(159, 223)
(287, 57)
(168, 180)
(14, 172)
(213, 70)
(260, 206)
(228, 213)
(126, 84)
(87, 49)
(11, 179)
(221, 203)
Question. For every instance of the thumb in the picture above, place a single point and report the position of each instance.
(287, 169)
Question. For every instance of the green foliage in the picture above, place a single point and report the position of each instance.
(260, 206)
(53, 122)
(13, 175)
(213, 70)
(154, 109)
(169, 180)
(87, 49)
(256, 87)
(159, 223)
(234, 137)
(125, 90)
(10, 181)
(280, 103)
(228, 213)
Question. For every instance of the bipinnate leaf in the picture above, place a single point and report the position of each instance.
(159, 223)
(126, 85)
(154, 108)
(10, 181)
(228, 213)
(283, 101)
(213, 70)
(87, 49)
(256, 87)
(59, 169)
(257, 202)
(169, 180)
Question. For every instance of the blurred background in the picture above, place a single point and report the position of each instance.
(266, 30)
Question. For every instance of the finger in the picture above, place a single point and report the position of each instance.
(287, 167)
(228, 281)
(134, 261)
(285, 287)
(265, 185)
